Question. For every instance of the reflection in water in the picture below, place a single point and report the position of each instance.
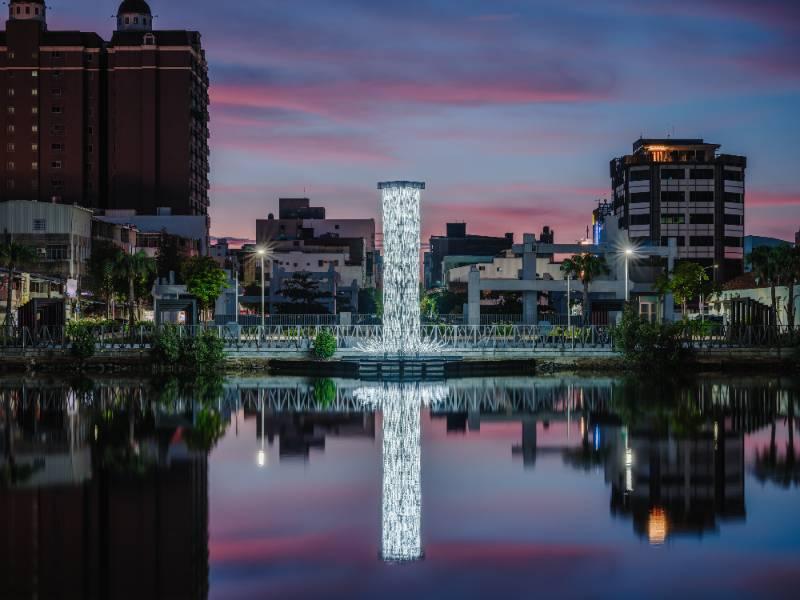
(401, 404)
(104, 487)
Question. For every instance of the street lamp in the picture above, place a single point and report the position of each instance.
(261, 253)
(629, 252)
(702, 315)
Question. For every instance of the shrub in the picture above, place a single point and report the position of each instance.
(208, 429)
(209, 349)
(324, 345)
(651, 346)
(82, 338)
(167, 344)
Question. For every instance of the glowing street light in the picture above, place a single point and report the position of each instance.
(629, 253)
(261, 254)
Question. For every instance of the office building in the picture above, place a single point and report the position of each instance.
(117, 125)
(683, 189)
(457, 248)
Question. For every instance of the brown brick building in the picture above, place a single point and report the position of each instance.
(119, 125)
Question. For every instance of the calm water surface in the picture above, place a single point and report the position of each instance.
(300, 488)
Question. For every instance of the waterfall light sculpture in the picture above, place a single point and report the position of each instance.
(400, 404)
(400, 201)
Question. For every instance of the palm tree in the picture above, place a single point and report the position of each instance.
(12, 257)
(133, 269)
(765, 262)
(586, 268)
(787, 259)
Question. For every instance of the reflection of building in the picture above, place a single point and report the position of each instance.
(299, 433)
(78, 526)
(676, 485)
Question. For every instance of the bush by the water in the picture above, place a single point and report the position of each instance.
(324, 345)
(205, 350)
(652, 346)
(325, 392)
(82, 339)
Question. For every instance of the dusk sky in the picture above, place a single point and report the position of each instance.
(510, 110)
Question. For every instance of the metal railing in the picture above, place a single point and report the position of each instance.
(445, 336)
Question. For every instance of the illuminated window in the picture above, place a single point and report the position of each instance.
(34, 166)
(34, 147)
(10, 110)
(34, 91)
(676, 219)
(34, 73)
(10, 147)
(11, 91)
(34, 110)
(56, 164)
(34, 129)
(9, 128)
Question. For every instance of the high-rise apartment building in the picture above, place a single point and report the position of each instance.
(118, 125)
(683, 189)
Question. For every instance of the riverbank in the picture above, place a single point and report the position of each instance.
(467, 364)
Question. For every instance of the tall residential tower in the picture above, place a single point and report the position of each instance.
(117, 125)
(683, 189)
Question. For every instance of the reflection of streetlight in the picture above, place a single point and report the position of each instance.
(702, 316)
(261, 253)
(261, 456)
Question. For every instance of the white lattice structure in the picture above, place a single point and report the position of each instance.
(401, 246)
(400, 404)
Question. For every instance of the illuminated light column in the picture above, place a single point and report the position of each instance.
(401, 522)
(401, 246)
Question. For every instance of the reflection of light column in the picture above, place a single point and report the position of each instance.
(402, 493)
(401, 539)
(401, 231)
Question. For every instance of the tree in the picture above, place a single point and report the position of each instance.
(685, 283)
(135, 270)
(204, 279)
(303, 295)
(765, 262)
(170, 257)
(12, 257)
(101, 269)
(787, 259)
(585, 268)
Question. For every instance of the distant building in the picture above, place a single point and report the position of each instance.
(683, 189)
(110, 125)
(751, 242)
(470, 249)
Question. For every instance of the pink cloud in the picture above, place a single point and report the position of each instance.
(764, 198)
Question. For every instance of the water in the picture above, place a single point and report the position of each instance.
(293, 488)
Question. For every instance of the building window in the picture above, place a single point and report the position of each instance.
(34, 73)
(40, 224)
(34, 129)
(701, 174)
(733, 219)
(56, 91)
(11, 184)
(701, 196)
(56, 74)
(11, 91)
(10, 54)
(56, 164)
(10, 147)
(732, 242)
(701, 240)
(733, 197)
(673, 174)
(56, 55)
(57, 130)
(9, 129)
(56, 110)
(701, 219)
(34, 147)
(734, 175)
(57, 147)
(34, 110)
(56, 252)
(672, 197)
(641, 175)
(10, 110)
(34, 91)
(34, 166)
(680, 240)
(10, 165)
(673, 219)
(127, 20)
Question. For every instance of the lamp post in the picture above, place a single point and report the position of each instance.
(261, 252)
(628, 254)
(702, 315)
(569, 307)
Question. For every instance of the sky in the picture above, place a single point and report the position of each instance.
(510, 110)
